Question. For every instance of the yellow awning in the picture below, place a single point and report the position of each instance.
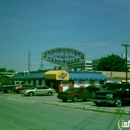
(57, 75)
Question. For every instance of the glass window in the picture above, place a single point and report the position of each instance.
(45, 87)
(70, 89)
(40, 81)
(29, 81)
(114, 86)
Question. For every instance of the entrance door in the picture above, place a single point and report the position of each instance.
(65, 87)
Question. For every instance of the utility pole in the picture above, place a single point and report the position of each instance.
(126, 59)
(29, 61)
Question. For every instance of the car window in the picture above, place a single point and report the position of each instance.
(45, 88)
(33, 87)
(126, 87)
(80, 90)
(39, 87)
(70, 90)
(114, 87)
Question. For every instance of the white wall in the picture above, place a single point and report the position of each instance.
(85, 83)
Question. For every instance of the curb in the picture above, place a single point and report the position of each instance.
(118, 111)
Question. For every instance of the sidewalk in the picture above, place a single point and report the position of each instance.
(89, 105)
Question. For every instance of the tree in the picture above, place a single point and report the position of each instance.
(2, 69)
(111, 63)
(10, 71)
(55, 68)
(5, 70)
(4, 79)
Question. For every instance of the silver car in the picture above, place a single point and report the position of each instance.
(39, 90)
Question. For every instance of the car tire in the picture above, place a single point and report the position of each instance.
(31, 94)
(64, 100)
(49, 93)
(118, 102)
(4, 91)
(75, 99)
(84, 100)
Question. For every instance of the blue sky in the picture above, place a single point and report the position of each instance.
(97, 28)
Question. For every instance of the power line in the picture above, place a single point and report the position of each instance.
(112, 36)
(91, 49)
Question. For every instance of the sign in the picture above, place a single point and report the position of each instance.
(122, 124)
(62, 75)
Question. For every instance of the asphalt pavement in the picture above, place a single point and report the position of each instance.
(89, 105)
(84, 105)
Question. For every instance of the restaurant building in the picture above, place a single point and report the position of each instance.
(61, 80)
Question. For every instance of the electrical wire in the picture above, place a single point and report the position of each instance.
(109, 43)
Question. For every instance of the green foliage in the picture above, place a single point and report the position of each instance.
(2, 69)
(58, 68)
(111, 63)
(10, 71)
(4, 79)
(55, 68)
(5, 70)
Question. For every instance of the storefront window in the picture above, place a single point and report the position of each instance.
(81, 82)
(29, 81)
(101, 83)
(40, 81)
(92, 82)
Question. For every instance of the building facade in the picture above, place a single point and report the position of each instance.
(61, 80)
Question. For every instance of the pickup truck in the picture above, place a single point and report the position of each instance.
(113, 94)
(8, 88)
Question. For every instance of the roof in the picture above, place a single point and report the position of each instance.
(29, 75)
(87, 76)
(54, 71)
(17, 76)
(35, 75)
(73, 75)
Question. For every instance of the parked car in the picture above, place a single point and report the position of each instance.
(114, 93)
(75, 94)
(9, 87)
(39, 90)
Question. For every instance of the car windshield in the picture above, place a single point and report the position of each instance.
(33, 87)
(70, 90)
(113, 87)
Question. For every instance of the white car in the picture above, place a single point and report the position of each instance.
(39, 90)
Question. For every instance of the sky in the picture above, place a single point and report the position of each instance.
(97, 28)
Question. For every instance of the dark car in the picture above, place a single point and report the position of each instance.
(114, 93)
(75, 94)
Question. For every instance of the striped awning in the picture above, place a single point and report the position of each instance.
(87, 76)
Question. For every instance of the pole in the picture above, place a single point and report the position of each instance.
(29, 61)
(126, 64)
(126, 60)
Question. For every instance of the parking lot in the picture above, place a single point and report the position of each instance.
(53, 100)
